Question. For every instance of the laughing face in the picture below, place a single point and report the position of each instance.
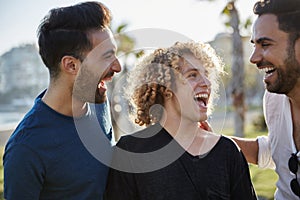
(274, 55)
(192, 93)
(97, 68)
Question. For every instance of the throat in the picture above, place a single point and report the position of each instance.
(203, 143)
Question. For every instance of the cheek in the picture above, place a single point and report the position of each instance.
(297, 50)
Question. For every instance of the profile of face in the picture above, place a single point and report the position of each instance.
(98, 67)
(193, 89)
(274, 55)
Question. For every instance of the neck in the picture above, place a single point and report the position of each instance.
(60, 99)
(294, 95)
(188, 134)
(182, 130)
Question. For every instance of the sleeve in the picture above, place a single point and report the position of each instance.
(104, 119)
(23, 174)
(264, 146)
(264, 153)
(241, 185)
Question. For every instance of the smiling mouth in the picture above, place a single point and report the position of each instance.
(267, 70)
(202, 98)
(102, 82)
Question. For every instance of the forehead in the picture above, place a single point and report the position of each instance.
(191, 62)
(102, 37)
(266, 26)
(103, 42)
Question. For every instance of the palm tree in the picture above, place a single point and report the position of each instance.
(237, 69)
(237, 83)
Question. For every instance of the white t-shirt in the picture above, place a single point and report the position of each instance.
(278, 146)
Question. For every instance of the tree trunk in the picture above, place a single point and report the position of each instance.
(237, 84)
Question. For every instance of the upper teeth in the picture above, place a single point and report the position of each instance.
(267, 69)
(201, 96)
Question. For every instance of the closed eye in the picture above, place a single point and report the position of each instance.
(192, 75)
(109, 54)
(264, 44)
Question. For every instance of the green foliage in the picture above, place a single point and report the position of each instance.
(263, 181)
(247, 23)
(259, 123)
(126, 42)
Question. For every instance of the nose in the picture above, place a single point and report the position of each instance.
(116, 66)
(256, 56)
(204, 82)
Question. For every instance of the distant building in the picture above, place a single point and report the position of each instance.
(22, 74)
(254, 87)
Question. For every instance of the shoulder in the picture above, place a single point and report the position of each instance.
(38, 128)
(22, 133)
(273, 99)
(148, 139)
(229, 143)
(274, 104)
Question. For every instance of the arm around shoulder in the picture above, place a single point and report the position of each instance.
(249, 148)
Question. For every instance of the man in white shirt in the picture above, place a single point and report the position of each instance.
(276, 39)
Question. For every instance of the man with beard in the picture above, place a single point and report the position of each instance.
(48, 155)
(276, 52)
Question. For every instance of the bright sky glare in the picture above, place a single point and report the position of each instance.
(199, 20)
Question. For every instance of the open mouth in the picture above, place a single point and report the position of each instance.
(267, 70)
(201, 99)
(102, 83)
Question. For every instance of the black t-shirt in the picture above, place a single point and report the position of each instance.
(163, 170)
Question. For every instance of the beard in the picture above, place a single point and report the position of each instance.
(86, 89)
(288, 77)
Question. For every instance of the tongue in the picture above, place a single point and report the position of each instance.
(201, 103)
(102, 87)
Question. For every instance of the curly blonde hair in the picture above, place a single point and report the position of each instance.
(156, 72)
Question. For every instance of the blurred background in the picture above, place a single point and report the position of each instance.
(140, 26)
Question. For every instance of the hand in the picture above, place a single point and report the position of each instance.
(205, 125)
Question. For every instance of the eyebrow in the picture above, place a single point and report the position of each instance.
(262, 39)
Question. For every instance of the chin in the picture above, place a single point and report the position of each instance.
(100, 99)
(202, 118)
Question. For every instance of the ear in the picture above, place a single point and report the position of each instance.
(168, 94)
(70, 65)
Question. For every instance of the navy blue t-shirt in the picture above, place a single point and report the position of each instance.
(53, 156)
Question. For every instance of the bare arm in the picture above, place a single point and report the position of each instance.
(249, 147)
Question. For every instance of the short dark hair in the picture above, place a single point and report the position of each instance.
(287, 12)
(64, 31)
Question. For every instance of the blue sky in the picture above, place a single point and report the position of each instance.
(196, 19)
